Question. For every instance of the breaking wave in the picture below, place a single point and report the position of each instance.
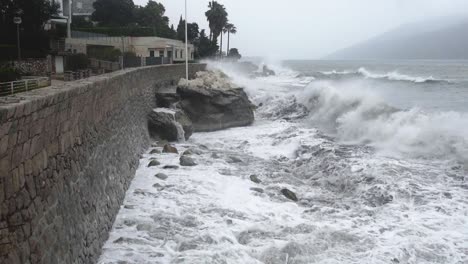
(358, 116)
(389, 76)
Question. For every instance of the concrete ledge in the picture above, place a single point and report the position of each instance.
(67, 156)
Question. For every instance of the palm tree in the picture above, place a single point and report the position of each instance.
(217, 19)
(230, 29)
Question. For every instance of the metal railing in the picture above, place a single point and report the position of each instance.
(9, 88)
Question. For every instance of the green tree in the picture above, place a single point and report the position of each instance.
(153, 15)
(217, 17)
(113, 12)
(193, 31)
(205, 47)
(234, 54)
(230, 29)
(34, 15)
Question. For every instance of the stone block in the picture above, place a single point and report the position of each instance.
(36, 145)
(15, 181)
(5, 128)
(31, 186)
(26, 150)
(12, 139)
(5, 165)
(3, 145)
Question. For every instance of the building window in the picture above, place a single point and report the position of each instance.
(161, 53)
(151, 53)
(181, 54)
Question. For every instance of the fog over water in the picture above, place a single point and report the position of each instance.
(304, 29)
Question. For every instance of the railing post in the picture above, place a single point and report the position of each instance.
(12, 89)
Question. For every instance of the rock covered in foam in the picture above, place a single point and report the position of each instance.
(209, 80)
(169, 124)
(213, 102)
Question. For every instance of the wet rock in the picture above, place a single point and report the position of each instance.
(182, 118)
(155, 151)
(255, 179)
(167, 99)
(129, 222)
(229, 222)
(184, 246)
(154, 163)
(448, 195)
(161, 176)
(187, 161)
(169, 149)
(170, 167)
(215, 108)
(233, 159)
(161, 125)
(127, 206)
(192, 151)
(289, 194)
(215, 155)
(259, 190)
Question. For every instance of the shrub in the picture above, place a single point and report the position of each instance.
(76, 62)
(104, 53)
(9, 74)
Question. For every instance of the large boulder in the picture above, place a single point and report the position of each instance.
(212, 102)
(169, 124)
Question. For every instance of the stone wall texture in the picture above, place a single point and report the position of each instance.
(67, 155)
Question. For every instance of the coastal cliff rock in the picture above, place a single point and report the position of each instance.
(212, 102)
(169, 124)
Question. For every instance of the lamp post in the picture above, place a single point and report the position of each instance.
(186, 44)
(17, 20)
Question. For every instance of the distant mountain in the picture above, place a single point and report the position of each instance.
(443, 38)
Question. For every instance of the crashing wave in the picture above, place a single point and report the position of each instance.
(389, 76)
(359, 117)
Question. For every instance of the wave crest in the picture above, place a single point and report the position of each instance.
(389, 76)
(357, 116)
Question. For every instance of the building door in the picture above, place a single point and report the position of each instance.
(58, 61)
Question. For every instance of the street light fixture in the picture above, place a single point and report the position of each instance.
(186, 44)
(17, 20)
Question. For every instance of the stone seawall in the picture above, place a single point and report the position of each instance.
(67, 156)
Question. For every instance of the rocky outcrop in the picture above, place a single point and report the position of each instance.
(169, 124)
(212, 102)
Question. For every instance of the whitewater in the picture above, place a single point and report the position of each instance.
(377, 155)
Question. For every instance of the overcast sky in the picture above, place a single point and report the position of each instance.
(308, 29)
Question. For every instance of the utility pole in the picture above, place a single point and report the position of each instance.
(17, 20)
(186, 44)
(69, 20)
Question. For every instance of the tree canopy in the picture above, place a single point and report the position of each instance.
(34, 15)
(113, 12)
(217, 17)
(193, 31)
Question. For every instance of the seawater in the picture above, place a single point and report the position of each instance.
(375, 151)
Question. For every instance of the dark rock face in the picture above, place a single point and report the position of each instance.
(182, 118)
(161, 176)
(216, 109)
(167, 99)
(161, 125)
(154, 163)
(289, 194)
(169, 149)
(187, 161)
(255, 179)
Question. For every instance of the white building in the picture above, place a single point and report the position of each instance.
(141, 46)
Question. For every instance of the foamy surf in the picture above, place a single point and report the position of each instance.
(356, 202)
